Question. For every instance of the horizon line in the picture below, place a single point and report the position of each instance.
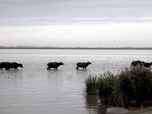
(68, 47)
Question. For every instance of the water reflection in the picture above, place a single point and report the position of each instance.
(93, 105)
(11, 74)
(92, 101)
(35, 90)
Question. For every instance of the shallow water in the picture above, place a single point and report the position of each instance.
(35, 90)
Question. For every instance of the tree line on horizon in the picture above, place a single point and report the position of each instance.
(56, 47)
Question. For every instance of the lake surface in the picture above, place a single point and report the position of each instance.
(35, 90)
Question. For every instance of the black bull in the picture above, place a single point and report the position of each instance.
(141, 63)
(82, 65)
(10, 65)
(54, 65)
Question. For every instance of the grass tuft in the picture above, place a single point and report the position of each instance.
(130, 88)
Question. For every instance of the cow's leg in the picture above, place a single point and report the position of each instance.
(77, 67)
(48, 68)
(6, 68)
(15, 68)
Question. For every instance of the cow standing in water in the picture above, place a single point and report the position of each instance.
(141, 63)
(137, 63)
(83, 65)
(10, 65)
(54, 65)
(147, 65)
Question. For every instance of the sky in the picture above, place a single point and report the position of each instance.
(76, 23)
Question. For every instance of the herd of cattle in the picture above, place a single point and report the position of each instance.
(50, 65)
(55, 65)
(141, 63)
(10, 65)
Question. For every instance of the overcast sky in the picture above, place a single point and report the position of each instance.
(92, 23)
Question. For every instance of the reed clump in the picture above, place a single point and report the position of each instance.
(130, 88)
(91, 85)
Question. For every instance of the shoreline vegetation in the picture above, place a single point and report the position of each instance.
(142, 111)
(131, 89)
(78, 48)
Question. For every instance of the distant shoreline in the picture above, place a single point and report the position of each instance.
(77, 48)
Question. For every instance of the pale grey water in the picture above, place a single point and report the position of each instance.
(34, 90)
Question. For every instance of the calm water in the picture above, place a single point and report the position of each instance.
(34, 90)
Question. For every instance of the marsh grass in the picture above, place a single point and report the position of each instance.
(91, 85)
(132, 87)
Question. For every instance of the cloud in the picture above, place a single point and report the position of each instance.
(55, 21)
(22, 12)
